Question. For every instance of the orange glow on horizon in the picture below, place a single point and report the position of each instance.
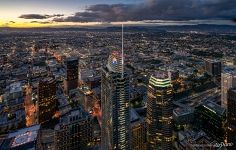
(20, 23)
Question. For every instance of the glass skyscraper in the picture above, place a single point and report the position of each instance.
(115, 105)
(159, 112)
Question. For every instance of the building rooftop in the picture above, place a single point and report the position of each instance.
(15, 87)
(115, 62)
(182, 111)
(160, 79)
(161, 75)
(22, 139)
(72, 116)
(133, 115)
(214, 107)
(213, 60)
(71, 59)
(48, 80)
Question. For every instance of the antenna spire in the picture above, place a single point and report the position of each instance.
(122, 52)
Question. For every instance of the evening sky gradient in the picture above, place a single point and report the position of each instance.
(44, 13)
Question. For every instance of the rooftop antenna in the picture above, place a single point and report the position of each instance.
(122, 52)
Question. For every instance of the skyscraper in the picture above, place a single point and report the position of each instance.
(213, 67)
(72, 76)
(115, 105)
(159, 112)
(46, 99)
(231, 117)
(228, 80)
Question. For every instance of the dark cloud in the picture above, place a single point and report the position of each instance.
(156, 10)
(12, 22)
(39, 16)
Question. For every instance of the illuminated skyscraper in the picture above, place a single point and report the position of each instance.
(228, 80)
(46, 99)
(72, 74)
(159, 112)
(115, 105)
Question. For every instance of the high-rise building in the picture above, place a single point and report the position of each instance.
(213, 67)
(72, 74)
(74, 132)
(231, 117)
(46, 99)
(228, 80)
(159, 112)
(115, 105)
(211, 118)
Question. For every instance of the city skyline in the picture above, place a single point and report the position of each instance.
(48, 13)
(117, 75)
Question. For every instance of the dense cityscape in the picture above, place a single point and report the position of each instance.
(72, 89)
(118, 75)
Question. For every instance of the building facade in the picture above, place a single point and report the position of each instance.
(46, 99)
(211, 118)
(74, 132)
(159, 112)
(228, 80)
(213, 67)
(231, 117)
(138, 132)
(72, 74)
(115, 105)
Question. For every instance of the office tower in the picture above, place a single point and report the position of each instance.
(138, 131)
(211, 118)
(74, 132)
(159, 112)
(115, 105)
(228, 80)
(231, 117)
(46, 99)
(213, 67)
(72, 74)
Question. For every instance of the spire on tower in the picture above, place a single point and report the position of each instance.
(122, 53)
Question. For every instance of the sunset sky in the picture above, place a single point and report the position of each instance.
(45, 13)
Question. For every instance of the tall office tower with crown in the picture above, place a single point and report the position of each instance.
(159, 112)
(115, 104)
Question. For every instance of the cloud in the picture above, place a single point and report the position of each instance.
(41, 22)
(39, 16)
(155, 10)
(12, 22)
